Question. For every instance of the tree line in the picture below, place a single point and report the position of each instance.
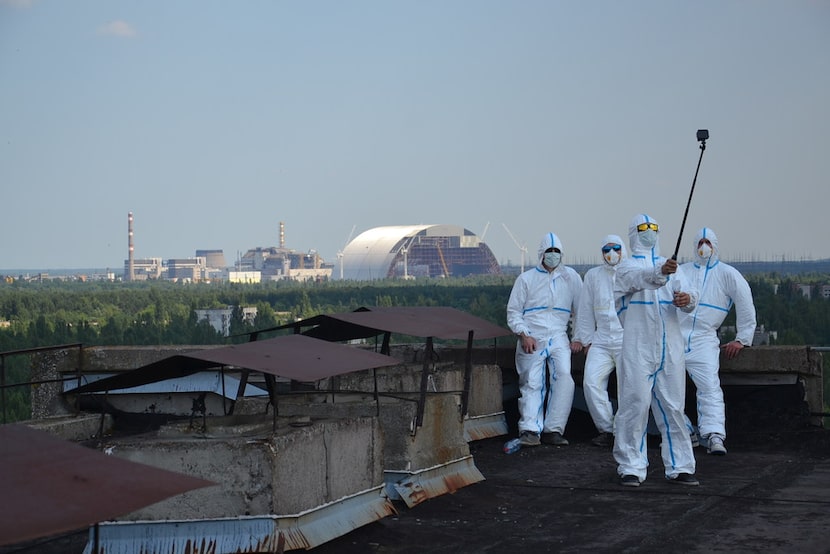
(163, 313)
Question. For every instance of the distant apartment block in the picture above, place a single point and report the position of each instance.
(220, 318)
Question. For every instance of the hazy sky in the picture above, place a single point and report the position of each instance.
(212, 121)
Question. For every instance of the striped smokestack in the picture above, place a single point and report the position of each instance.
(131, 247)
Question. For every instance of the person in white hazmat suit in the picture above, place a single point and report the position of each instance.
(597, 328)
(652, 373)
(720, 286)
(541, 303)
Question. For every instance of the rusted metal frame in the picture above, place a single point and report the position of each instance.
(377, 397)
(243, 379)
(271, 386)
(468, 373)
(40, 348)
(3, 386)
(422, 399)
(80, 377)
(3, 355)
(224, 394)
(243, 384)
(96, 539)
(334, 382)
(101, 423)
(39, 382)
(384, 349)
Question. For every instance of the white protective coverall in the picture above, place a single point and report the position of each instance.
(598, 325)
(651, 373)
(540, 305)
(719, 286)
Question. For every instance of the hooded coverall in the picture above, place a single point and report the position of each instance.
(720, 286)
(598, 325)
(651, 373)
(540, 305)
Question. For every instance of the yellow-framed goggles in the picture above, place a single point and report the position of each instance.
(647, 226)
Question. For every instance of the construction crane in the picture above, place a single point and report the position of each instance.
(443, 261)
(340, 252)
(522, 248)
(404, 249)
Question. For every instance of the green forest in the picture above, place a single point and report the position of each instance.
(52, 313)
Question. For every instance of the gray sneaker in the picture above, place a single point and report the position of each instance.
(605, 440)
(555, 439)
(685, 479)
(529, 438)
(716, 446)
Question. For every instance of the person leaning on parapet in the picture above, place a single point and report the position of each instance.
(541, 303)
(720, 286)
(651, 373)
(597, 327)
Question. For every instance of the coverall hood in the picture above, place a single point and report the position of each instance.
(616, 240)
(634, 237)
(549, 240)
(708, 234)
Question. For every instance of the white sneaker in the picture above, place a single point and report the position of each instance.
(716, 446)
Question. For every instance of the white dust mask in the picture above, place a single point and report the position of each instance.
(704, 252)
(552, 259)
(648, 238)
(612, 257)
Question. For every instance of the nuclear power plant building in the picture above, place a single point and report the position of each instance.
(410, 251)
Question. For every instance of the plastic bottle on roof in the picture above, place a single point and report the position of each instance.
(511, 446)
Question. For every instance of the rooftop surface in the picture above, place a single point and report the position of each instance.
(770, 493)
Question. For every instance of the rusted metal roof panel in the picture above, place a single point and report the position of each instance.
(51, 486)
(291, 356)
(425, 321)
(296, 357)
(418, 321)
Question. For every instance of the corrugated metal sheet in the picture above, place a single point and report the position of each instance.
(204, 381)
(416, 487)
(293, 357)
(244, 534)
(52, 486)
(418, 321)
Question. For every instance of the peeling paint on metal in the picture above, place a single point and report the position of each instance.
(436, 481)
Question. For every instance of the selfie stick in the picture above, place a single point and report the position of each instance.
(702, 137)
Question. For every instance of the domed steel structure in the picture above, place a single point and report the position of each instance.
(410, 251)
